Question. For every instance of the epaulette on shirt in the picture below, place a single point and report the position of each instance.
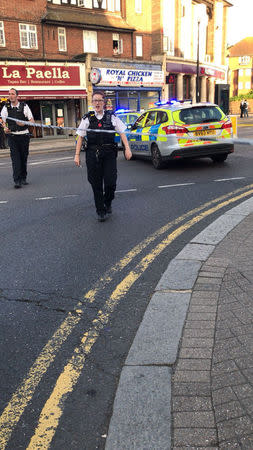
(88, 115)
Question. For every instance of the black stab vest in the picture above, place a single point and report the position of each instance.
(100, 139)
(16, 113)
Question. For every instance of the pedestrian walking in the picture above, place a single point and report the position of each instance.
(18, 136)
(242, 108)
(101, 152)
(246, 109)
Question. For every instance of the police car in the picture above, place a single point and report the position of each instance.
(128, 117)
(177, 130)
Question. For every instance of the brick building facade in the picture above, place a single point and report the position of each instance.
(57, 52)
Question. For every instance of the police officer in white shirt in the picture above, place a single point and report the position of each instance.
(101, 152)
(18, 136)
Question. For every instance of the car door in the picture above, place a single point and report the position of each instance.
(135, 134)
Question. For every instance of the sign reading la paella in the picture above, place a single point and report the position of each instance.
(126, 77)
(33, 75)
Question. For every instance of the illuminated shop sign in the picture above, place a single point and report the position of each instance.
(126, 77)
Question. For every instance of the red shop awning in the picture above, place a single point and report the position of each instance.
(47, 94)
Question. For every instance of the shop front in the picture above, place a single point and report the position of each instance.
(181, 80)
(136, 88)
(55, 93)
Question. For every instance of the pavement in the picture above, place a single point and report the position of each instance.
(187, 381)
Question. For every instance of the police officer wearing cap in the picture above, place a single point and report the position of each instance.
(101, 152)
(18, 136)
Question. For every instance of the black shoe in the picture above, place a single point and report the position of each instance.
(24, 182)
(108, 209)
(17, 185)
(101, 216)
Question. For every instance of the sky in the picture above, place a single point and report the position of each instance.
(240, 20)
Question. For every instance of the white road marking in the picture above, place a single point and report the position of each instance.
(51, 161)
(175, 185)
(70, 195)
(229, 179)
(44, 198)
(127, 190)
(3, 201)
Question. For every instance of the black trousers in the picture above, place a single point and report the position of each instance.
(102, 175)
(19, 147)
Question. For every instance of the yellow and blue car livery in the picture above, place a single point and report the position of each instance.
(128, 117)
(181, 130)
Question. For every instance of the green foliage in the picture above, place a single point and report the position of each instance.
(242, 96)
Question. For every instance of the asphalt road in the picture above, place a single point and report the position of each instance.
(71, 287)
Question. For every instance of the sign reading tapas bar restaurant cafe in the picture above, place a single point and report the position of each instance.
(131, 77)
(39, 75)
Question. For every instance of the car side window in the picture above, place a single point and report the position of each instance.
(150, 119)
(132, 118)
(139, 122)
(162, 117)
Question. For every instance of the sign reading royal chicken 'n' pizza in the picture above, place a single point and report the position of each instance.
(39, 75)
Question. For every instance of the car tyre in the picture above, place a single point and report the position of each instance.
(219, 158)
(157, 160)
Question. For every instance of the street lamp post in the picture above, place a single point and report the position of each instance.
(197, 80)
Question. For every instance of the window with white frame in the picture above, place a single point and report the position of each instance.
(117, 44)
(68, 2)
(28, 35)
(218, 32)
(62, 41)
(241, 72)
(2, 36)
(247, 85)
(186, 26)
(90, 44)
(240, 85)
(139, 46)
(113, 5)
(138, 6)
(248, 72)
(102, 5)
(169, 27)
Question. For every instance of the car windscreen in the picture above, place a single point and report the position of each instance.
(200, 114)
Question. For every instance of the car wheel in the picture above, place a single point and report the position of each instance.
(157, 161)
(219, 158)
(123, 148)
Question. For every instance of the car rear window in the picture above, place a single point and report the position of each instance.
(200, 114)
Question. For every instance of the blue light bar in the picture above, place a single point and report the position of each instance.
(122, 110)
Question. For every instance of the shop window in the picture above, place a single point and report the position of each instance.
(139, 46)
(28, 35)
(90, 44)
(117, 44)
(2, 36)
(138, 6)
(62, 42)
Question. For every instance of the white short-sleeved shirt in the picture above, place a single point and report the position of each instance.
(27, 113)
(120, 127)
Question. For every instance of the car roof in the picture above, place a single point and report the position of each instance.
(177, 106)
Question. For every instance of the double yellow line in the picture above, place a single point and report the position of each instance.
(53, 408)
